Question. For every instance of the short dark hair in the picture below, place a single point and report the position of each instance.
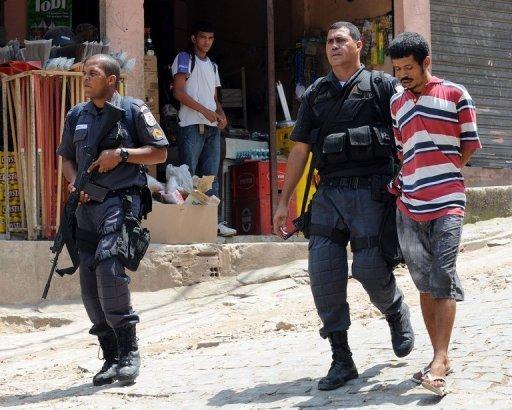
(108, 64)
(409, 44)
(204, 26)
(352, 30)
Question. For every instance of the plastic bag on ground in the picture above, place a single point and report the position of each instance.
(178, 179)
(154, 185)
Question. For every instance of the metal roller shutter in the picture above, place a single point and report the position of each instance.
(472, 45)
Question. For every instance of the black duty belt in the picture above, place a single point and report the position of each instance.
(134, 190)
(346, 182)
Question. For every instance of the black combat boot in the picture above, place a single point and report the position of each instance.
(342, 368)
(108, 372)
(129, 358)
(402, 334)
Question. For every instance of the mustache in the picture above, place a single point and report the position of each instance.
(405, 79)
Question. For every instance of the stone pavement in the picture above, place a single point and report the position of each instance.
(269, 368)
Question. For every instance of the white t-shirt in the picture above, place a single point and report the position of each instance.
(200, 85)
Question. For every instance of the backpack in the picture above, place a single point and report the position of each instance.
(172, 100)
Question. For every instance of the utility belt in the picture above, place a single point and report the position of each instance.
(97, 193)
(377, 184)
(132, 239)
(135, 190)
(386, 239)
(346, 182)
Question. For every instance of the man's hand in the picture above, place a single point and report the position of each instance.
(108, 160)
(210, 115)
(280, 217)
(83, 196)
(222, 121)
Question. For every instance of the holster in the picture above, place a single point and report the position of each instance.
(379, 188)
(303, 223)
(146, 202)
(389, 245)
(133, 241)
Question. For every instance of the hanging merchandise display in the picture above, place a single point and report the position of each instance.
(32, 187)
(376, 34)
(9, 176)
(309, 59)
(307, 62)
(47, 14)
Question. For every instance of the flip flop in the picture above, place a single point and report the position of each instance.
(439, 390)
(423, 372)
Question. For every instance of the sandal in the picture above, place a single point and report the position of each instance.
(439, 390)
(418, 376)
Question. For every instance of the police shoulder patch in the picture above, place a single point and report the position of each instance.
(149, 119)
(157, 133)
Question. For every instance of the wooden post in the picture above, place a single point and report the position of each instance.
(271, 75)
(5, 156)
(14, 134)
(33, 157)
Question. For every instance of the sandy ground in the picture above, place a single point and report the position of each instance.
(256, 345)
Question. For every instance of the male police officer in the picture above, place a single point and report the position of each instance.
(119, 174)
(344, 118)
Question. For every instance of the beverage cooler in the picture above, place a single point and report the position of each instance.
(250, 197)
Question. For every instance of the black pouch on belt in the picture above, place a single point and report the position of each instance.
(303, 223)
(96, 193)
(146, 202)
(133, 241)
(389, 247)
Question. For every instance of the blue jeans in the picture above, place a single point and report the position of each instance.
(201, 152)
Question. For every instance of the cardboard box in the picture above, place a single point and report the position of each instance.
(150, 64)
(182, 224)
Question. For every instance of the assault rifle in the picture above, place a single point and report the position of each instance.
(66, 234)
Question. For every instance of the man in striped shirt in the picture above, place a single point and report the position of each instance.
(435, 130)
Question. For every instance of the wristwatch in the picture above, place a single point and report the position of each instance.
(124, 154)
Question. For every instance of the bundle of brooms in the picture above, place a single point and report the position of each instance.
(35, 104)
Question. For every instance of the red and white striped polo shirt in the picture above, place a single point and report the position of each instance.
(430, 132)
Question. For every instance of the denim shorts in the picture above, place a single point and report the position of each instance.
(430, 251)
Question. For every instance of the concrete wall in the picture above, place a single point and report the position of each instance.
(487, 203)
(26, 264)
(413, 15)
(122, 22)
(483, 177)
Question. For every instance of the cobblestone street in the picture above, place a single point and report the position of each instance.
(221, 344)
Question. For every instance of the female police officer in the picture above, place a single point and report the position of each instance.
(119, 176)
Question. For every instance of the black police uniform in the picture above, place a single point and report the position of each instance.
(103, 281)
(354, 157)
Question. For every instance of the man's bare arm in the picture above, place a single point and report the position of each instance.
(185, 99)
(221, 117)
(296, 163)
(69, 170)
(466, 155)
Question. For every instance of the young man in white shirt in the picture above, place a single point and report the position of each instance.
(201, 117)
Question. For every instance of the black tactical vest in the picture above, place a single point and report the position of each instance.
(359, 140)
